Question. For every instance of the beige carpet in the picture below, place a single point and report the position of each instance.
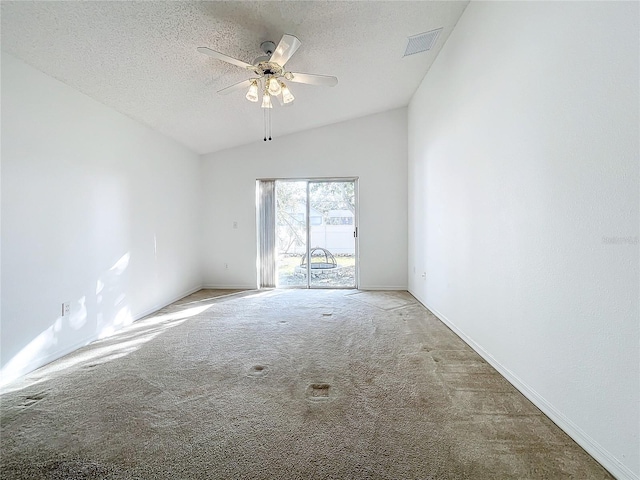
(289, 384)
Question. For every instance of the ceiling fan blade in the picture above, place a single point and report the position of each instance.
(235, 86)
(324, 80)
(285, 49)
(224, 58)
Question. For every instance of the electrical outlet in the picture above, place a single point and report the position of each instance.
(66, 309)
(226, 266)
(235, 225)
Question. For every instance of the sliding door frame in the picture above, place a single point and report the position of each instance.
(356, 223)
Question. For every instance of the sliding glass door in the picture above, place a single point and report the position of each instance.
(316, 233)
(291, 232)
(332, 233)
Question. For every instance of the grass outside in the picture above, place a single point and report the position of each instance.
(342, 277)
(288, 263)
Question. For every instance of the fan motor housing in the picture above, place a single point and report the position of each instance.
(268, 68)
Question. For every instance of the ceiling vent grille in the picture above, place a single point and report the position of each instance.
(422, 42)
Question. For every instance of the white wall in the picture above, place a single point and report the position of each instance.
(97, 210)
(523, 207)
(373, 148)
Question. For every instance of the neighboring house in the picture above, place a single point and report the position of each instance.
(333, 231)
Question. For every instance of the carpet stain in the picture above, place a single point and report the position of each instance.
(318, 391)
(258, 371)
(77, 470)
(30, 400)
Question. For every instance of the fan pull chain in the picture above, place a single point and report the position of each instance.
(267, 123)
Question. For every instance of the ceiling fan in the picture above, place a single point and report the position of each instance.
(270, 72)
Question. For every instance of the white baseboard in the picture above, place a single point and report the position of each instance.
(382, 287)
(158, 306)
(230, 287)
(254, 287)
(593, 448)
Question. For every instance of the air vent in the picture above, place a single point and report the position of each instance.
(422, 42)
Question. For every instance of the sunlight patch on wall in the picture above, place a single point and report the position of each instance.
(33, 350)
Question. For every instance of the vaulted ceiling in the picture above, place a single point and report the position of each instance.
(140, 58)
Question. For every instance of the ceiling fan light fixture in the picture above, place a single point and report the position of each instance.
(266, 100)
(252, 94)
(269, 70)
(274, 86)
(287, 96)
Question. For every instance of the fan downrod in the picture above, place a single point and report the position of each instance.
(267, 48)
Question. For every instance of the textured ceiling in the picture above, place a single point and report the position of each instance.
(140, 58)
